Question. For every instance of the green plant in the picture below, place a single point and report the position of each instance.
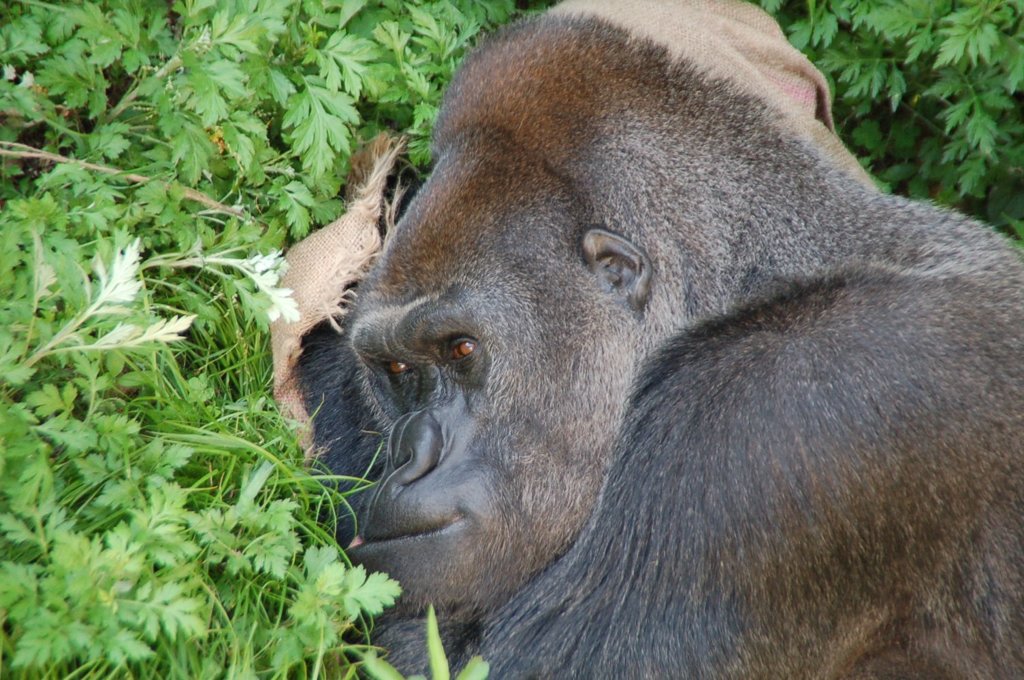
(475, 669)
(928, 94)
(157, 517)
(155, 514)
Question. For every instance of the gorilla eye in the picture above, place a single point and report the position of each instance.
(462, 348)
(397, 367)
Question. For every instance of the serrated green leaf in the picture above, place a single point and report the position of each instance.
(296, 200)
(317, 558)
(241, 31)
(210, 86)
(75, 80)
(281, 89)
(19, 585)
(70, 433)
(110, 140)
(48, 401)
(319, 121)
(15, 530)
(824, 30)
(343, 62)
(123, 647)
(981, 131)
(191, 148)
(179, 614)
(20, 40)
(272, 553)
(371, 593)
(43, 642)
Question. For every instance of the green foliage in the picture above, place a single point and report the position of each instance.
(256, 103)
(476, 668)
(155, 513)
(157, 518)
(928, 93)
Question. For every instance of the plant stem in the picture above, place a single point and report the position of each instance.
(15, 150)
(63, 334)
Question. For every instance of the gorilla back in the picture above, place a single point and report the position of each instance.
(670, 394)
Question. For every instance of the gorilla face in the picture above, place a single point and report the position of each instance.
(501, 406)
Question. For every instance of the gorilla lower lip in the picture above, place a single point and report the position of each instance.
(366, 541)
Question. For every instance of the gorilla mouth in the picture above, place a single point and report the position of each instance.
(361, 540)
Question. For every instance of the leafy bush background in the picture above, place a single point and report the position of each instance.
(156, 516)
(928, 94)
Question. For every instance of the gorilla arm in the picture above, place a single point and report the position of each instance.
(806, 487)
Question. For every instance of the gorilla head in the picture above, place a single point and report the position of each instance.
(503, 326)
(498, 349)
(636, 341)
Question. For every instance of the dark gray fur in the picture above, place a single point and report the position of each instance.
(802, 457)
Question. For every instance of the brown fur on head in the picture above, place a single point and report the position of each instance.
(650, 360)
(550, 131)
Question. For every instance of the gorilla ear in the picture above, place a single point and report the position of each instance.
(620, 266)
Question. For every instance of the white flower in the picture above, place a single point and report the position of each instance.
(263, 263)
(10, 73)
(122, 284)
(265, 271)
(45, 276)
(282, 305)
(167, 330)
(126, 335)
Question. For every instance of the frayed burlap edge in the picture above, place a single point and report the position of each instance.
(323, 266)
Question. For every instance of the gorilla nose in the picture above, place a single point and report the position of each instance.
(415, 447)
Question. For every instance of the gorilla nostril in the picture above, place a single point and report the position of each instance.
(415, 447)
(402, 455)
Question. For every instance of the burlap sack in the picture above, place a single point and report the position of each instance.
(322, 266)
(730, 39)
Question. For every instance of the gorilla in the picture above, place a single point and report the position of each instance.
(666, 393)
